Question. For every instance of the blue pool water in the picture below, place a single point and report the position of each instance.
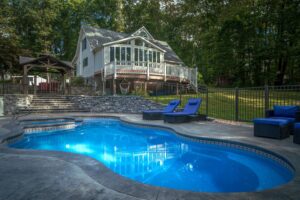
(160, 158)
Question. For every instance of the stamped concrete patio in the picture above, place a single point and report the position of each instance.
(32, 174)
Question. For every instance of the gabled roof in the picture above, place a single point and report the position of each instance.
(143, 30)
(98, 37)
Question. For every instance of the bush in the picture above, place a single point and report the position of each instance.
(77, 81)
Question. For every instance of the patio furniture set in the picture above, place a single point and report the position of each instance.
(279, 123)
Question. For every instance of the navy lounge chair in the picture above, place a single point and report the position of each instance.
(190, 110)
(158, 114)
(290, 113)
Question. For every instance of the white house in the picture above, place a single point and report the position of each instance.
(107, 59)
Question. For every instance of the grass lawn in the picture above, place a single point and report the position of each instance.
(221, 102)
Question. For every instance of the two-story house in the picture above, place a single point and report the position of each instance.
(119, 62)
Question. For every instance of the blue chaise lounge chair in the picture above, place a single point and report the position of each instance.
(158, 114)
(190, 111)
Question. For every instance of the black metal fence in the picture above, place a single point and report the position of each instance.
(238, 104)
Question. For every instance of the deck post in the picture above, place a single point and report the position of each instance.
(177, 91)
(114, 87)
(165, 72)
(148, 71)
(25, 80)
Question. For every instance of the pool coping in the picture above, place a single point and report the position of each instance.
(109, 179)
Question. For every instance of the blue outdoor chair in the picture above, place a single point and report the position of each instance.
(190, 111)
(158, 114)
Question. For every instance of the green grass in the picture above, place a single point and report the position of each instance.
(221, 102)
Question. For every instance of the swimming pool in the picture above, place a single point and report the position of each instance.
(160, 158)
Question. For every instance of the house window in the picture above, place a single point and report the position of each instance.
(141, 55)
(128, 54)
(112, 54)
(136, 54)
(123, 54)
(85, 62)
(138, 42)
(150, 56)
(84, 44)
(118, 53)
(154, 56)
(145, 56)
(158, 57)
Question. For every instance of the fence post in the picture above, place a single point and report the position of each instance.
(236, 104)
(180, 88)
(206, 101)
(156, 95)
(266, 98)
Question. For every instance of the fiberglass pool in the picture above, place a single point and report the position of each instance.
(161, 158)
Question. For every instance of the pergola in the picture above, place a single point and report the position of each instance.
(48, 64)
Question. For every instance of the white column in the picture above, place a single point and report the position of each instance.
(165, 71)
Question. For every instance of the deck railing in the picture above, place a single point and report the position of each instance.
(146, 68)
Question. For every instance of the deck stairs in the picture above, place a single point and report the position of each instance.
(51, 104)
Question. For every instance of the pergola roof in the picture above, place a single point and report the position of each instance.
(46, 62)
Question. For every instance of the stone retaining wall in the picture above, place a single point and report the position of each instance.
(12, 102)
(114, 104)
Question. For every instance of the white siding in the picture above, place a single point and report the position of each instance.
(99, 60)
(88, 70)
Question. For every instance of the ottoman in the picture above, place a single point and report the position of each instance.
(272, 128)
(297, 133)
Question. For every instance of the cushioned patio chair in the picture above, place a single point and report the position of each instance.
(189, 112)
(158, 114)
(289, 113)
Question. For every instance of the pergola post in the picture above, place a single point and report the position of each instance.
(25, 80)
(63, 79)
(34, 85)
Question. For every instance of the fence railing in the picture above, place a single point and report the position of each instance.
(238, 104)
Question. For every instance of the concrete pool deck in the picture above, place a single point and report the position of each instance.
(33, 174)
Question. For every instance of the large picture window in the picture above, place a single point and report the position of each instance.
(123, 54)
(136, 54)
(128, 54)
(112, 54)
(141, 55)
(118, 53)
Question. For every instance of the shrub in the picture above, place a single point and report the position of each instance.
(77, 81)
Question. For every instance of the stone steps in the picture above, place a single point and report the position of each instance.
(47, 103)
(51, 110)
